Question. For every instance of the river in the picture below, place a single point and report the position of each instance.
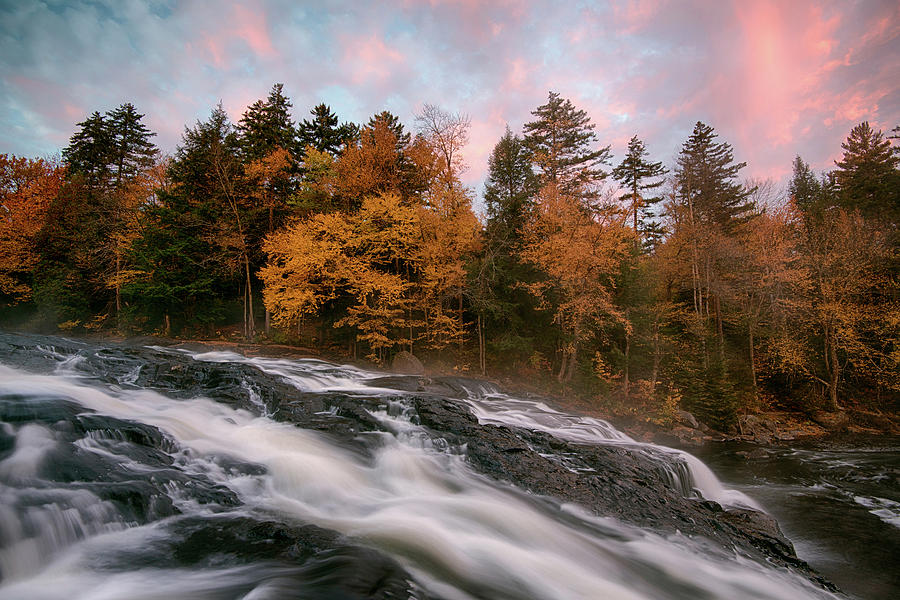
(145, 472)
(838, 500)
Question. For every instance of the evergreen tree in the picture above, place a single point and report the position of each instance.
(867, 177)
(560, 141)
(706, 178)
(637, 175)
(190, 251)
(510, 190)
(90, 152)
(105, 158)
(132, 151)
(505, 308)
(267, 125)
(323, 132)
(392, 122)
(811, 195)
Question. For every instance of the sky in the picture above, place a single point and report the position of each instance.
(775, 78)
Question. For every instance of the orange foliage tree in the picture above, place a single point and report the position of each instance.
(27, 187)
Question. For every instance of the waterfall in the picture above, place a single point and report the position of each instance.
(110, 490)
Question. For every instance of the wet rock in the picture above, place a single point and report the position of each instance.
(406, 362)
(615, 481)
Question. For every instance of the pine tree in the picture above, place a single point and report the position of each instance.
(637, 175)
(132, 151)
(510, 189)
(560, 141)
(706, 178)
(707, 211)
(496, 275)
(267, 125)
(323, 132)
(392, 122)
(193, 243)
(90, 152)
(867, 177)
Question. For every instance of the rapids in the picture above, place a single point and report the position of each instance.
(153, 472)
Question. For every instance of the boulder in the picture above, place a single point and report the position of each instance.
(832, 421)
(687, 419)
(405, 362)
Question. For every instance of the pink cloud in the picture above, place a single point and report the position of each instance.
(369, 59)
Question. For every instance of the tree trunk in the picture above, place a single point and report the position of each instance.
(460, 340)
(560, 377)
(573, 357)
(118, 291)
(168, 326)
(750, 330)
(720, 335)
(625, 380)
(835, 378)
(654, 375)
(250, 325)
(481, 361)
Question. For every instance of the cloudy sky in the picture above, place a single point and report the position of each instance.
(776, 78)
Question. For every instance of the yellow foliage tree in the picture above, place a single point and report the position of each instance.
(365, 256)
(580, 253)
(450, 234)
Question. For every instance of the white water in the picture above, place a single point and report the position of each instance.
(490, 406)
(461, 535)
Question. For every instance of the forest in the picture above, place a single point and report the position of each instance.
(641, 286)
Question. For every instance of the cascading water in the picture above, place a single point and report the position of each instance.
(158, 473)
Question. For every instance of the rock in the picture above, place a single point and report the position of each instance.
(681, 436)
(406, 362)
(832, 421)
(757, 429)
(686, 419)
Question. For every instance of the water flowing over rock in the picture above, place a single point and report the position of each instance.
(159, 472)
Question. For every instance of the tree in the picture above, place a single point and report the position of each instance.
(132, 151)
(267, 125)
(106, 159)
(805, 190)
(380, 163)
(843, 255)
(510, 190)
(497, 274)
(579, 255)
(710, 205)
(365, 257)
(560, 142)
(27, 187)
(448, 134)
(194, 239)
(323, 132)
(393, 124)
(449, 238)
(867, 177)
(706, 176)
(637, 175)
(771, 275)
(90, 152)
